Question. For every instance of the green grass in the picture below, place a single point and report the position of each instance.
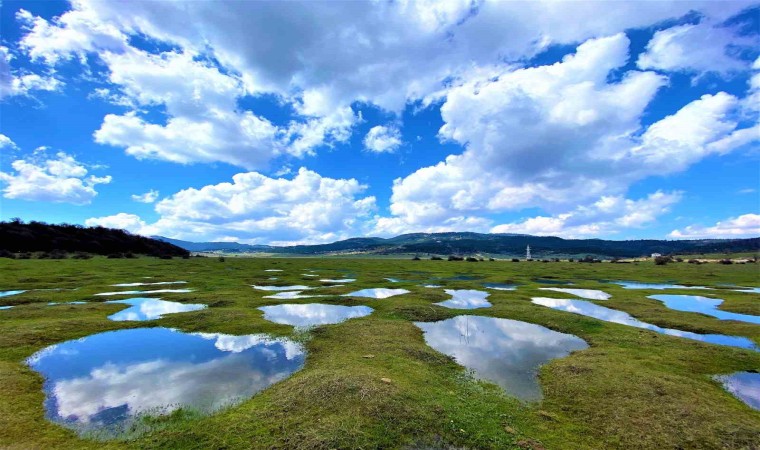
(631, 389)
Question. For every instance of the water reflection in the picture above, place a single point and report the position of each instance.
(500, 286)
(6, 307)
(506, 352)
(296, 287)
(754, 290)
(376, 293)
(704, 305)
(612, 315)
(551, 281)
(290, 295)
(655, 286)
(148, 284)
(313, 314)
(157, 291)
(591, 294)
(339, 280)
(150, 309)
(7, 293)
(104, 381)
(466, 299)
(743, 385)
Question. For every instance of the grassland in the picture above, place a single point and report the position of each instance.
(631, 388)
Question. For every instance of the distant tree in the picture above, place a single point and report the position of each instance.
(471, 259)
(436, 258)
(661, 260)
(515, 260)
(416, 258)
(221, 259)
(726, 261)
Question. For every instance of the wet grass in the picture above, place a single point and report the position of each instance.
(632, 388)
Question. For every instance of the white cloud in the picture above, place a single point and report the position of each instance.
(606, 216)
(744, 226)
(22, 83)
(381, 139)
(698, 48)
(256, 208)
(61, 179)
(559, 135)
(148, 197)
(6, 142)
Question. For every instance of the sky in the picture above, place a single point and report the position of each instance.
(309, 122)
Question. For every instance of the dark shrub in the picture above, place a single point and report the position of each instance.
(455, 258)
(416, 258)
(471, 259)
(81, 255)
(693, 261)
(491, 259)
(24, 256)
(661, 260)
(186, 256)
(436, 258)
(679, 259)
(115, 256)
(515, 260)
(165, 256)
(570, 260)
(726, 261)
(130, 255)
(57, 254)
(221, 259)
(7, 254)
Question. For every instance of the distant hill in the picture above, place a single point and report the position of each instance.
(496, 244)
(17, 236)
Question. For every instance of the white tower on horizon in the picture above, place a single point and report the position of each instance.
(527, 253)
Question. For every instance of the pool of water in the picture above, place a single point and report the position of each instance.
(156, 291)
(6, 307)
(148, 284)
(104, 382)
(466, 299)
(8, 293)
(754, 290)
(376, 293)
(655, 286)
(69, 303)
(150, 308)
(313, 314)
(704, 305)
(500, 286)
(431, 286)
(273, 270)
(338, 280)
(612, 315)
(506, 352)
(297, 287)
(591, 294)
(290, 295)
(743, 385)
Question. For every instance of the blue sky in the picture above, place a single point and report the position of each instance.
(264, 123)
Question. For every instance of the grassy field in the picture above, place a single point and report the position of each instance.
(631, 388)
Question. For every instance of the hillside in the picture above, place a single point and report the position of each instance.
(497, 244)
(17, 236)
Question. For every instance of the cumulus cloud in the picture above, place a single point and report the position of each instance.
(6, 142)
(256, 208)
(381, 139)
(608, 215)
(744, 226)
(698, 48)
(59, 179)
(559, 135)
(148, 197)
(13, 82)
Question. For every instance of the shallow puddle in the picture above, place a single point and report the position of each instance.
(273, 270)
(150, 308)
(466, 299)
(8, 293)
(500, 286)
(655, 286)
(290, 295)
(104, 382)
(755, 290)
(69, 303)
(339, 280)
(6, 307)
(612, 315)
(157, 291)
(296, 287)
(704, 305)
(377, 293)
(743, 385)
(431, 286)
(148, 284)
(506, 352)
(591, 294)
(463, 278)
(313, 314)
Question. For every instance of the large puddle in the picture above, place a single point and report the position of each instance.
(158, 283)
(313, 314)
(376, 293)
(612, 315)
(466, 299)
(150, 308)
(655, 286)
(7, 293)
(743, 385)
(104, 382)
(591, 294)
(296, 287)
(704, 305)
(156, 291)
(506, 352)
